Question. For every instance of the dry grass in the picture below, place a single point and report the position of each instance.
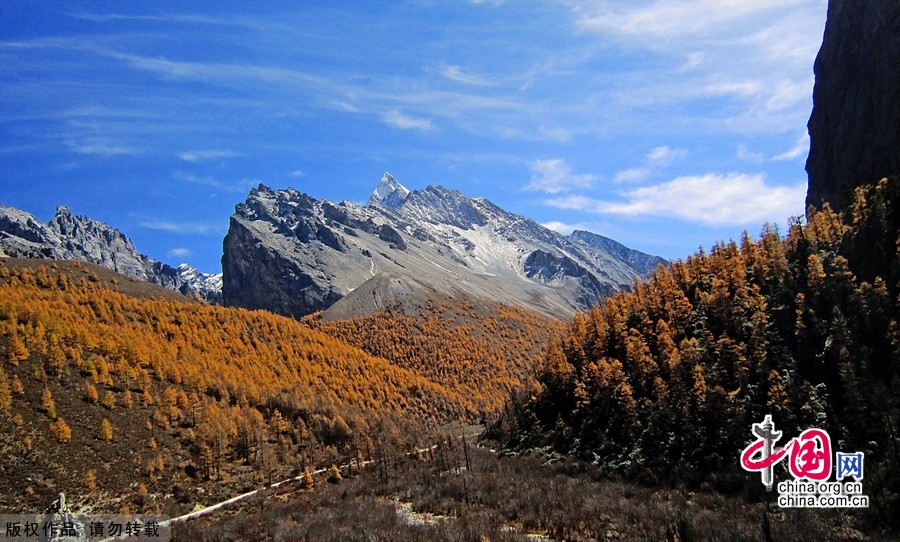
(505, 498)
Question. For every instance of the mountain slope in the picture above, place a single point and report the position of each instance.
(482, 349)
(192, 391)
(70, 237)
(805, 328)
(639, 261)
(294, 255)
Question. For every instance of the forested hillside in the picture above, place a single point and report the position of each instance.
(484, 351)
(665, 382)
(110, 392)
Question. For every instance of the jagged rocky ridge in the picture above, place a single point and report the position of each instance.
(292, 254)
(70, 237)
(854, 128)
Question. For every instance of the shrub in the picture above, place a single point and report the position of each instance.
(142, 495)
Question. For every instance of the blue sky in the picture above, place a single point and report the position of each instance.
(663, 124)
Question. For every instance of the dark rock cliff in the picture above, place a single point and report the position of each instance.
(257, 276)
(854, 128)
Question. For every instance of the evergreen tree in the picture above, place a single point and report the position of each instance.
(5, 393)
(106, 430)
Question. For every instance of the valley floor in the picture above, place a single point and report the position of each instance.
(435, 496)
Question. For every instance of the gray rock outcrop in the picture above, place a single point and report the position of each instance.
(70, 237)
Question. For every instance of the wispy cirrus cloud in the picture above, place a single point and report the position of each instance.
(180, 252)
(655, 160)
(455, 73)
(692, 61)
(209, 154)
(567, 228)
(712, 199)
(99, 147)
(744, 153)
(241, 186)
(406, 122)
(665, 19)
(756, 54)
(175, 18)
(482, 106)
(555, 176)
(801, 149)
(595, 88)
(182, 228)
(665, 155)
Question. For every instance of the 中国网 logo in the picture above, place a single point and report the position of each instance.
(810, 462)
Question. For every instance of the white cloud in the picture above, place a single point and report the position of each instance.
(344, 106)
(731, 87)
(566, 228)
(562, 135)
(779, 41)
(667, 19)
(560, 227)
(797, 151)
(632, 175)
(455, 73)
(180, 252)
(578, 203)
(338, 93)
(665, 155)
(757, 55)
(747, 155)
(182, 228)
(99, 146)
(655, 160)
(297, 173)
(787, 94)
(238, 187)
(713, 199)
(693, 61)
(184, 19)
(404, 122)
(200, 156)
(555, 176)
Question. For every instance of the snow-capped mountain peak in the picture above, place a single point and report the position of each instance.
(292, 254)
(389, 192)
(205, 283)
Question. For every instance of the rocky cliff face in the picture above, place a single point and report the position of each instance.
(855, 123)
(292, 254)
(70, 237)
